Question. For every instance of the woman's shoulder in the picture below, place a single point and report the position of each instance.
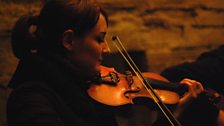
(36, 92)
(28, 103)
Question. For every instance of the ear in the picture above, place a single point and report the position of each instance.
(67, 39)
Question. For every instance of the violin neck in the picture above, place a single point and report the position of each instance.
(175, 87)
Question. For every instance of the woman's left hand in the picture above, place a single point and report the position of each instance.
(194, 88)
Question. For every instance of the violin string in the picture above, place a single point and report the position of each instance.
(141, 78)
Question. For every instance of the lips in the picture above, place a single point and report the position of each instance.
(100, 59)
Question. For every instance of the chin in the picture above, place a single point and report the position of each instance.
(97, 69)
(93, 70)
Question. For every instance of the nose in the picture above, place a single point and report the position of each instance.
(105, 47)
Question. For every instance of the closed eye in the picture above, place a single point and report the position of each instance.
(100, 40)
(101, 37)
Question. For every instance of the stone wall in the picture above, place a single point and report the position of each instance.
(168, 31)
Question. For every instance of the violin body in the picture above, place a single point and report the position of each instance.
(123, 92)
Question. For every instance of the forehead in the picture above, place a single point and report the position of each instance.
(101, 25)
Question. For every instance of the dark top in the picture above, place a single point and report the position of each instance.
(47, 92)
(209, 70)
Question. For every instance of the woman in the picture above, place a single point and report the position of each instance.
(56, 61)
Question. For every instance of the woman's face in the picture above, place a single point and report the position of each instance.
(87, 52)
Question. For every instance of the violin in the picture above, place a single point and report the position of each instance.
(116, 89)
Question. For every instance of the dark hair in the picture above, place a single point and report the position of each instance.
(22, 40)
(55, 17)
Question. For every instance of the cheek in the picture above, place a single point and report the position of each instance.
(90, 58)
(93, 51)
(87, 56)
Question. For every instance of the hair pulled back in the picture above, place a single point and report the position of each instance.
(55, 17)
